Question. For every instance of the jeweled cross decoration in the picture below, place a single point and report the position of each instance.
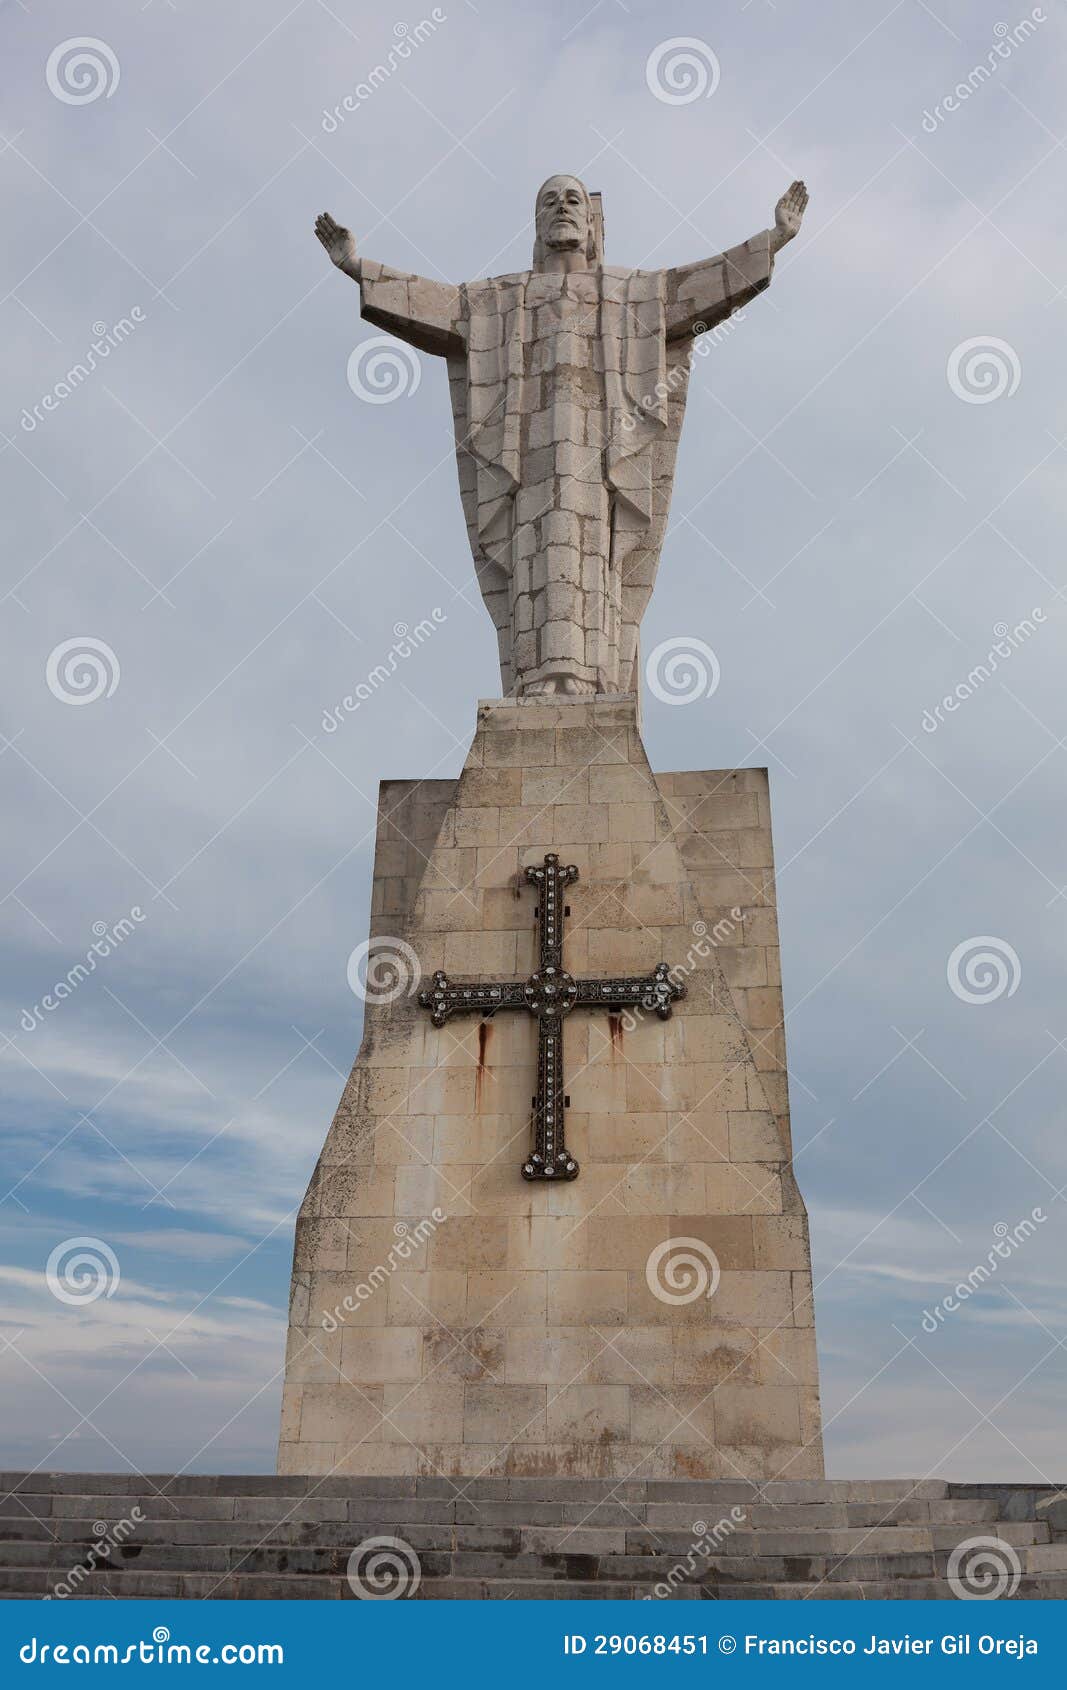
(551, 993)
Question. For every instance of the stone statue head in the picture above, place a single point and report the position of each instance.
(566, 220)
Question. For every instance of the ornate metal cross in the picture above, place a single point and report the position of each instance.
(550, 993)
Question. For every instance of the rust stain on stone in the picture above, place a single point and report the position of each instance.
(587, 1458)
(615, 1028)
(484, 1030)
(691, 1464)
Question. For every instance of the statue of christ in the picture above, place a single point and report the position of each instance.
(568, 385)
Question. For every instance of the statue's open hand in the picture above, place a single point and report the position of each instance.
(789, 212)
(339, 242)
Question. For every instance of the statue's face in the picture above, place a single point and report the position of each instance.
(563, 214)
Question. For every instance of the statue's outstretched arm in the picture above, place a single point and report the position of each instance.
(424, 313)
(701, 295)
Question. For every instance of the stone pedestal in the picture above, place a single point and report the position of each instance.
(652, 1318)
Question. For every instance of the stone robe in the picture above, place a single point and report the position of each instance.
(568, 393)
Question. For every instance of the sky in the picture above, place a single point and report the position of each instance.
(213, 537)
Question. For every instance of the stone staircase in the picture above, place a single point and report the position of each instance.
(99, 1535)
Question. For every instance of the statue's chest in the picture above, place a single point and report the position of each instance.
(562, 325)
(563, 304)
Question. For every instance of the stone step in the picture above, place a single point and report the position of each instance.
(272, 1587)
(519, 1530)
(1045, 1558)
(315, 1561)
(20, 1583)
(922, 1590)
(79, 1545)
(951, 1511)
(1016, 1532)
(266, 1509)
(263, 1509)
(525, 1562)
(74, 1536)
(848, 1490)
(520, 1533)
(434, 1487)
(529, 1560)
(885, 1539)
(888, 1513)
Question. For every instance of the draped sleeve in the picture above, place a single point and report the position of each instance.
(701, 295)
(428, 315)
